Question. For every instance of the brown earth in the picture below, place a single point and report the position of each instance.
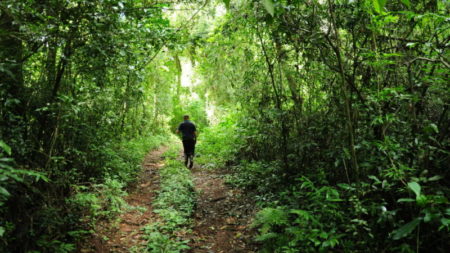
(223, 216)
(126, 232)
(221, 222)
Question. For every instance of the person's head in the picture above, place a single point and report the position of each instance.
(186, 117)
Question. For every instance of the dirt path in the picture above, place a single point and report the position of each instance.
(121, 236)
(220, 222)
(222, 218)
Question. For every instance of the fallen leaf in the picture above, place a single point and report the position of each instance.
(230, 220)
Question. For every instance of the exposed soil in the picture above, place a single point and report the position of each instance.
(220, 222)
(126, 232)
(222, 217)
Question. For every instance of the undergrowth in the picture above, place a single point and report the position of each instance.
(105, 200)
(310, 213)
(219, 144)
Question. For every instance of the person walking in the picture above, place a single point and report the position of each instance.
(189, 137)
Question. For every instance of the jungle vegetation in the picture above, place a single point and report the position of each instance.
(333, 114)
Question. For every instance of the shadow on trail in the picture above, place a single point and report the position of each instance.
(222, 217)
(221, 221)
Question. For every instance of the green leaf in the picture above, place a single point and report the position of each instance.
(407, 3)
(37, 175)
(266, 236)
(435, 178)
(405, 200)
(415, 187)
(374, 178)
(428, 216)
(422, 200)
(5, 147)
(4, 192)
(270, 8)
(6, 166)
(405, 229)
(227, 3)
(434, 128)
(306, 215)
(346, 187)
(445, 222)
(378, 5)
(2, 231)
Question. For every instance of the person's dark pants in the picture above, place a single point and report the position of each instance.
(189, 147)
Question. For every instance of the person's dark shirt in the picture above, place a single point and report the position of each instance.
(187, 129)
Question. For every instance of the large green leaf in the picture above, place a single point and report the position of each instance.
(415, 187)
(270, 8)
(406, 229)
(407, 3)
(35, 174)
(378, 5)
(4, 192)
(5, 147)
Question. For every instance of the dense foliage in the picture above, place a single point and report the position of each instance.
(334, 114)
(344, 116)
(83, 98)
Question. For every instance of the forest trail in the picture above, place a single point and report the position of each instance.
(222, 217)
(126, 232)
(221, 221)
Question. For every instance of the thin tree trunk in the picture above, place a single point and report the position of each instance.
(345, 91)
